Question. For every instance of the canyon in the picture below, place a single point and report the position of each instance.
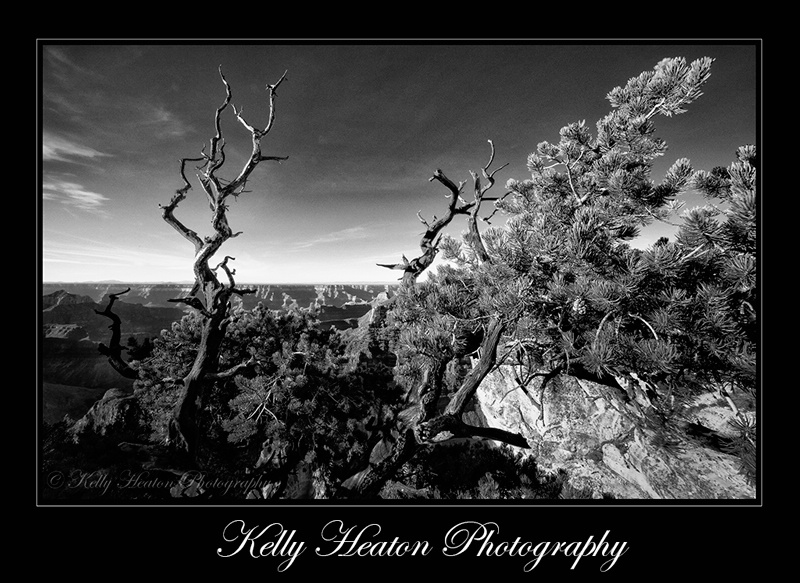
(74, 375)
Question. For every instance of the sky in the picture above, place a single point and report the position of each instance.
(364, 126)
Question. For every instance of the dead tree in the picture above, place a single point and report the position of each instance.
(211, 295)
(114, 349)
(429, 244)
(423, 423)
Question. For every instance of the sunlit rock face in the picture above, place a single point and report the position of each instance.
(601, 442)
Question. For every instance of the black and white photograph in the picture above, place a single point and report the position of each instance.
(401, 299)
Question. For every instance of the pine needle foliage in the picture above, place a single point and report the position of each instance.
(681, 314)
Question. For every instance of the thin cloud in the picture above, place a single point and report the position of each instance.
(166, 122)
(85, 258)
(58, 148)
(57, 57)
(106, 253)
(351, 234)
(75, 196)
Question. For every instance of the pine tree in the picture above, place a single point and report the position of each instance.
(564, 287)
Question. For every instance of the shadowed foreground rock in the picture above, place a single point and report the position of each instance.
(114, 414)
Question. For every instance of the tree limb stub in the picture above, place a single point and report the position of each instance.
(229, 272)
(114, 350)
(447, 427)
(475, 239)
(233, 371)
(217, 141)
(272, 92)
(169, 216)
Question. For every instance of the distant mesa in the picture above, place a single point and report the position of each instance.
(272, 296)
(62, 297)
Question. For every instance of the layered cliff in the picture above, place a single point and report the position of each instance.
(272, 296)
(62, 310)
(75, 374)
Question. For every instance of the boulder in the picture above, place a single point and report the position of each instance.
(604, 444)
(117, 413)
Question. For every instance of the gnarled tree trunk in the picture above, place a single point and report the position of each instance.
(422, 424)
(210, 296)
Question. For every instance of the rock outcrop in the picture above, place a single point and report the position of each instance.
(117, 413)
(65, 331)
(63, 298)
(605, 447)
